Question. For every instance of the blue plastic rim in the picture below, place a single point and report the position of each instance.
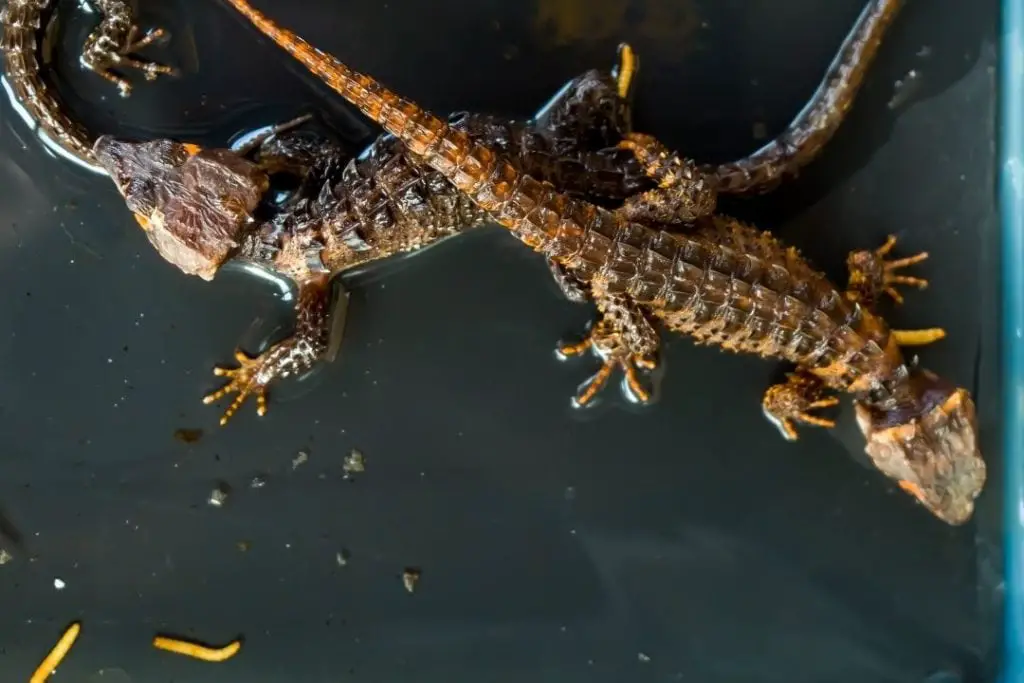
(1011, 178)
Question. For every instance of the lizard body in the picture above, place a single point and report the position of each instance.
(721, 282)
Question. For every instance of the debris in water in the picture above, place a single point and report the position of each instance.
(410, 577)
(5, 557)
(59, 584)
(341, 557)
(188, 435)
(354, 462)
(243, 546)
(300, 459)
(258, 482)
(643, 657)
(759, 130)
(905, 88)
(219, 495)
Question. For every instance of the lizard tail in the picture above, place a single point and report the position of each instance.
(529, 208)
(29, 95)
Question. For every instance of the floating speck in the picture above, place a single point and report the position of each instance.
(300, 459)
(759, 130)
(59, 584)
(258, 481)
(187, 435)
(243, 546)
(219, 495)
(5, 557)
(642, 657)
(341, 557)
(570, 493)
(410, 577)
(354, 462)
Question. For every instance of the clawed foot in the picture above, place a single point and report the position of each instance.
(871, 273)
(103, 53)
(793, 401)
(250, 378)
(682, 195)
(609, 346)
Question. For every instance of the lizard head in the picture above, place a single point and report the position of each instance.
(924, 436)
(194, 204)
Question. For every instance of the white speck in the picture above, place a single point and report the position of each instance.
(59, 584)
(110, 360)
(642, 657)
(218, 497)
(5, 557)
(354, 462)
(299, 459)
(341, 558)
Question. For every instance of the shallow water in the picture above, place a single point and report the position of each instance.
(683, 542)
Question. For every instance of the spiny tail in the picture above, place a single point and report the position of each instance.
(822, 116)
(29, 94)
(526, 206)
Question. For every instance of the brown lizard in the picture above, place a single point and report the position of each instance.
(697, 186)
(196, 204)
(722, 283)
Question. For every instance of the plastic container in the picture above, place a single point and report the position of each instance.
(686, 542)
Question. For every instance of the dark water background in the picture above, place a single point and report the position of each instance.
(685, 542)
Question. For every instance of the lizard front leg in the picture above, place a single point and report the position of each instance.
(623, 339)
(113, 44)
(683, 193)
(793, 400)
(310, 343)
(872, 274)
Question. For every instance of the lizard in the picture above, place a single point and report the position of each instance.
(209, 194)
(797, 145)
(722, 282)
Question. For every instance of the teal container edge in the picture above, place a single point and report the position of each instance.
(1011, 179)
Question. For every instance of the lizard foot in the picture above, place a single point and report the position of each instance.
(103, 52)
(789, 402)
(609, 346)
(682, 195)
(250, 378)
(871, 274)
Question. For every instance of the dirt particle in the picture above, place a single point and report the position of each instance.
(759, 130)
(5, 557)
(219, 495)
(188, 435)
(642, 657)
(411, 577)
(300, 459)
(354, 462)
(341, 557)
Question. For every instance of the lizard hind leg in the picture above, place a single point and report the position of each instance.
(683, 193)
(793, 400)
(623, 339)
(113, 44)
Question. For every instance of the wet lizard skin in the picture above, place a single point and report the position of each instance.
(722, 283)
(111, 45)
